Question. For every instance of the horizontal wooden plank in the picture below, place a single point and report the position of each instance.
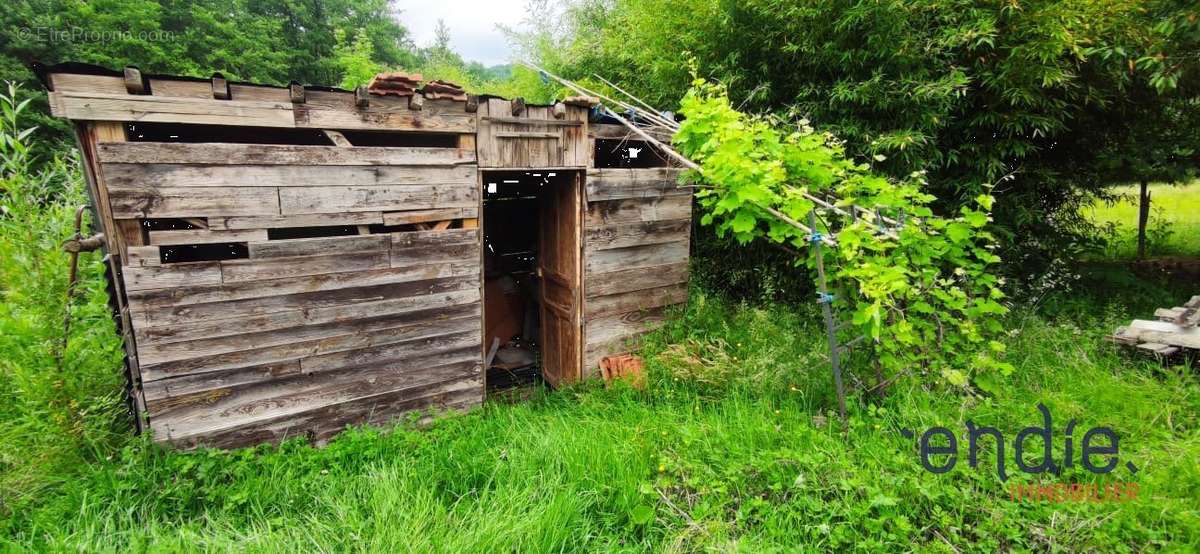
(145, 201)
(528, 135)
(638, 210)
(603, 329)
(421, 216)
(233, 271)
(165, 109)
(204, 404)
(181, 88)
(303, 220)
(427, 121)
(171, 275)
(621, 132)
(1165, 333)
(444, 237)
(142, 256)
(318, 246)
(305, 392)
(628, 280)
(649, 255)
(187, 375)
(532, 122)
(612, 184)
(445, 246)
(612, 334)
(281, 312)
(607, 237)
(393, 352)
(141, 302)
(190, 175)
(323, 423)
(278, 154)
(204, 236)
(308, 340)
(311, 200)
(196, 384)
(425, 323)
(74, 82)
(636, 300)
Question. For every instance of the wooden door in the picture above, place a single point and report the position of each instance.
(559, 266)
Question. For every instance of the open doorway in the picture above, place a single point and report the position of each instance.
(532, 276)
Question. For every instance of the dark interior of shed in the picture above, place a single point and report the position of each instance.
(511, 215)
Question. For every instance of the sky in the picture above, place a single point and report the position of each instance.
(472, 23)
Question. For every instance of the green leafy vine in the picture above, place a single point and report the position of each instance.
(919, 284)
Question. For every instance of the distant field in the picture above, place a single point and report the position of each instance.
(1174, 228)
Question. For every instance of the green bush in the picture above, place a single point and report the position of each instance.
(1061, 94)
(58, 409)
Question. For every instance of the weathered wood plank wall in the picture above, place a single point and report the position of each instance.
(244, 350)
(302, 333)
(636, 240)
(295, 336)
(533, 138)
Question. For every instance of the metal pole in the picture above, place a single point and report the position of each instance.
(825, 299)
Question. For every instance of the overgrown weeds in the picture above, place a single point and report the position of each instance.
(731, 447)
(56, 416)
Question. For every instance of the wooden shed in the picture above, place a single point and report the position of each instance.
(287, 261)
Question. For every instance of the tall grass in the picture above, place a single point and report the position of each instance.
(731, 447)
(721, 452)
(1173, 229)
(53, 417)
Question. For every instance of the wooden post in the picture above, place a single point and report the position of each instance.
(296, 92)
(119, 235)
(220, 87)
(825, 299)
(1143, 219)
(133, 81)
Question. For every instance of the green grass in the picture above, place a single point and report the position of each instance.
(720, 452)
(1173, 229)
(723, 451)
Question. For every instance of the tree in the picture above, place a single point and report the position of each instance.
(973, 91)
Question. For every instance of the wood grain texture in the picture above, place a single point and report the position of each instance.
(167, 109)
(532, 138)
(191, 175)
(301, 220)
(649, 255)
(279, 154)
(301, 341)
(192, 294)
(636, 244)
(190, 321)
(613, 184)
(461, 390)
(172, 275)
(233, 271)
(629, 280)
(148, 201)
(319, 246)
(607, 237)
(180, 364)
(330, 199)
(410, 217)
(638, 210)
(204, 236)
(300, 393)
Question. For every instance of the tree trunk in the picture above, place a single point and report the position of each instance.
(1143, 217)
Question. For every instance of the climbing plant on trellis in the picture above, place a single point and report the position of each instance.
(918, 287)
